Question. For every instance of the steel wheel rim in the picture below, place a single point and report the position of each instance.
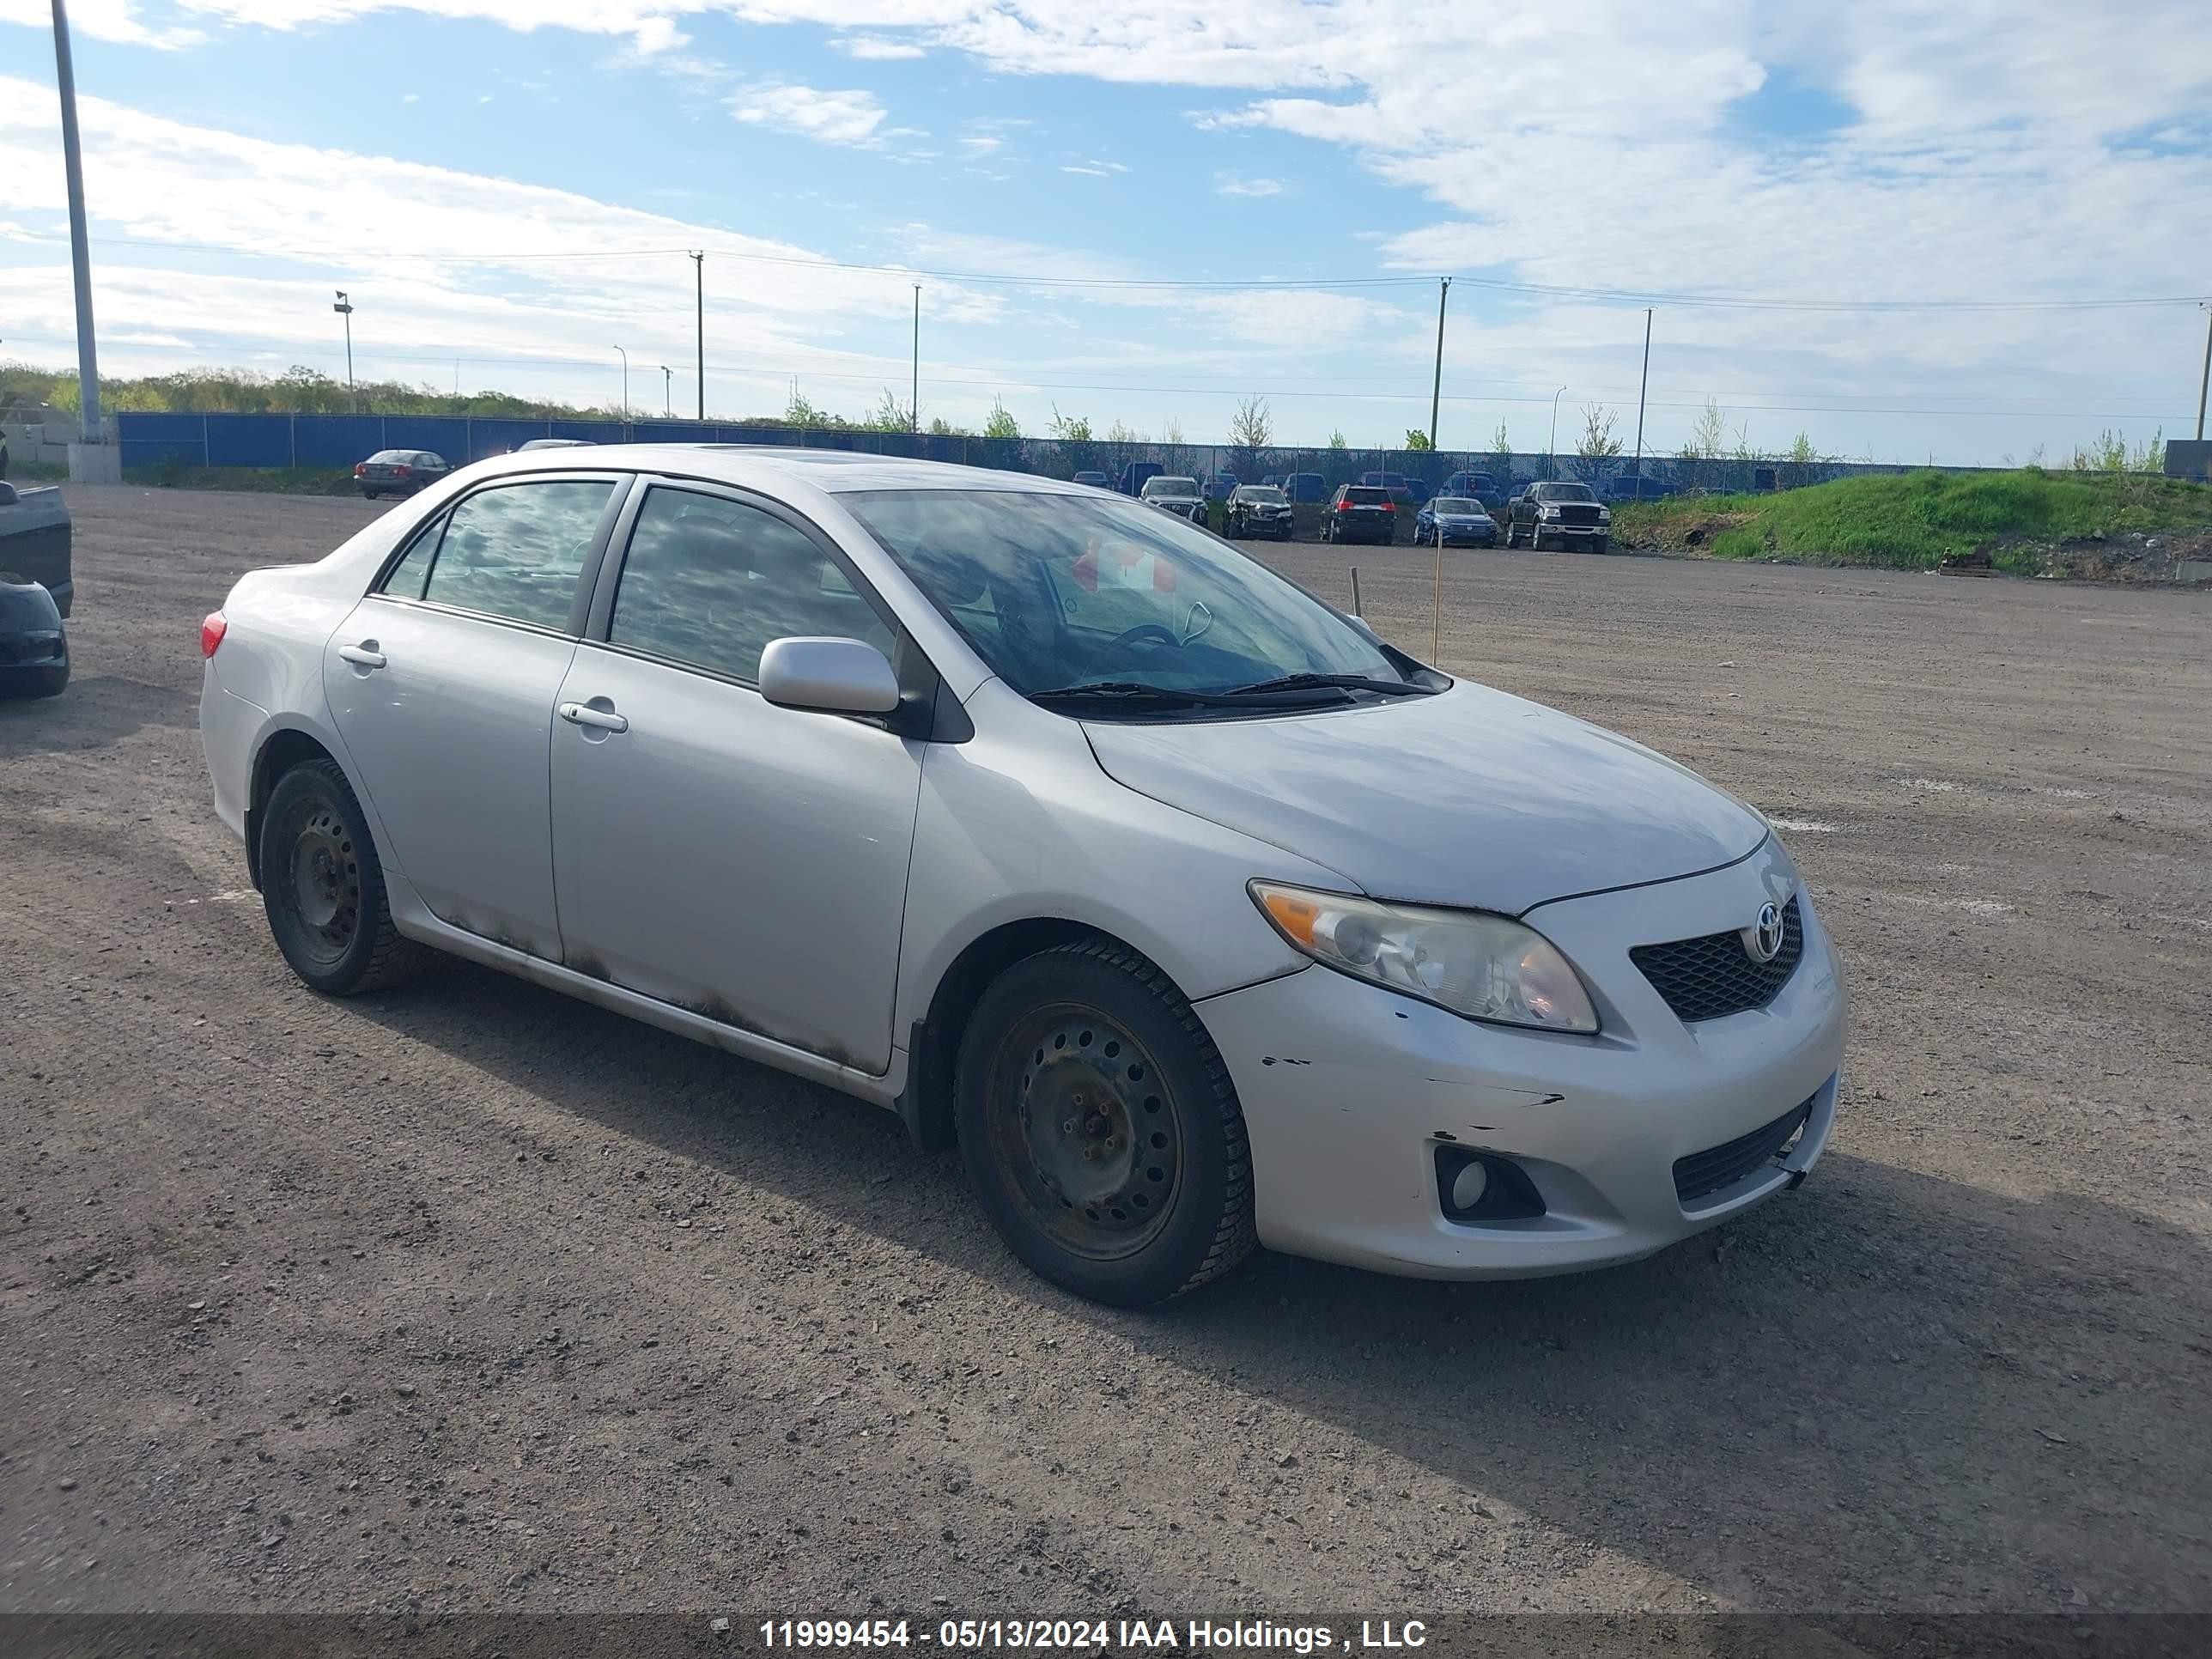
(322, 876)
(1086, 1132)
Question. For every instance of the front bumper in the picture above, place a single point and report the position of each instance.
(1348, 1090)
(1454, 537)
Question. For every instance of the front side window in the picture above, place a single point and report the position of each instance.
(1055, 590)
(711, 583)
(516, 551)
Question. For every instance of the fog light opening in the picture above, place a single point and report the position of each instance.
(1484, 1187)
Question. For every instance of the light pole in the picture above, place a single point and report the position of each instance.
(91, 460)
(1551, 447)
(345, 309)
(667, 393)
(624, 356)
(699, 293)
(2204, 382)
(914, 399)
(1641, 390)
(1436, 388)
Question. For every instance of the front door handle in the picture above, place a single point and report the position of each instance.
(364, 655)
(583, 714)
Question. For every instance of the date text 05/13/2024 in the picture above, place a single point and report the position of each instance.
(1196, 1635)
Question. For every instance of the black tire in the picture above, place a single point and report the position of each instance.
(1603, 543)
(322, 887)
(368, 494)
(1128, 1080)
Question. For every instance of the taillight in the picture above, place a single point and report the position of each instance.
(403, 471)
(213, 626)
(1389, 507)
(359, 467)
(1344, 506)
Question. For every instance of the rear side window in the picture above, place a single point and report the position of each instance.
(712, 583)
(406, 578)
(516, 551)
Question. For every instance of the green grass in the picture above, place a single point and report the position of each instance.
(1913, 521)
(277, 481)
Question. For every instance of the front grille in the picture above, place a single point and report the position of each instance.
(1716, 1167)
(1572, 515)
(1705, 978)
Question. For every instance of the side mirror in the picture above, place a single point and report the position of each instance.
(830, 677)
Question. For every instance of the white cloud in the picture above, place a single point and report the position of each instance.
(101, 20)
(1228, 184)
(850, 117)
(410, 97)
(1095, 168)
(876, 47)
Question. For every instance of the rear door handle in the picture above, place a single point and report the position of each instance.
(582, 713)
(364, 655)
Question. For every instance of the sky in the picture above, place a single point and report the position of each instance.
(1975, 232)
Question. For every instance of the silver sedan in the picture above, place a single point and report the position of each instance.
(1196, 913)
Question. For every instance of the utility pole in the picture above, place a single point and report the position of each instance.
(1436, 388)
(2204, 381)
(1641, 390)
(914, 399)
(624, 356)
(1552, 445)
(699, 277)
(667, 393)
(92, 460)
(345, 309)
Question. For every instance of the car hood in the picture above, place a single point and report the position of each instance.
(1469, 798)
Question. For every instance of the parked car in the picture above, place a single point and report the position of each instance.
(1091, 804)
(399, 472)
(1453, 521)
(1392, 481)
(1179, 495)
(1221, 486)
(34, 659)
(1478, 486)
(1305, 488)
(554, 443)
(1134, 473)
(1095, 480)
(1618, 491)
(35, 533)
(1260, 510)
(1565, 514)
(1360, 513)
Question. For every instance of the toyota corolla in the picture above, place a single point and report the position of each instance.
(1192, 911)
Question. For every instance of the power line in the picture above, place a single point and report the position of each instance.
(1636, 297)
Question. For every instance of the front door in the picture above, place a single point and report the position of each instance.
(710, 849)
(442, 683)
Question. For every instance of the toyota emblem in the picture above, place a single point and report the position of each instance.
(1763, 938)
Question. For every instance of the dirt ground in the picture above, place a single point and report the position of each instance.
(472, 1296)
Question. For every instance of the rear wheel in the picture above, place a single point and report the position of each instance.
(1100, 1128)
(322, 886)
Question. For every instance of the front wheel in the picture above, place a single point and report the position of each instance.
(1603, 543)
(1100, 1128)
(322, 886)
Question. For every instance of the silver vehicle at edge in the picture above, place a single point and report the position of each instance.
(1194, 913)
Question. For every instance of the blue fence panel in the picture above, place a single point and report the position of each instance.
(496, 437)
(336, 441)
(444, 435)
(151, 439)
(249, 440)
(679, 432)
(592, 432)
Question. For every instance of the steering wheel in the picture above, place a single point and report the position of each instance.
(1156, 632)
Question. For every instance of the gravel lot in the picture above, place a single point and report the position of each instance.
(474, 1297)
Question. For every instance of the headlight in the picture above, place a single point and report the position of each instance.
(1547, 511)
(1605, 515)
(1481, 966)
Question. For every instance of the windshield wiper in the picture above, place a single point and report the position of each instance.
(1328, 682)
(1129, 691)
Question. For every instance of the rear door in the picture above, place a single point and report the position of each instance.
(442, 683)
(711, 850)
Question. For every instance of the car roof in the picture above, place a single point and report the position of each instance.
(835, 471)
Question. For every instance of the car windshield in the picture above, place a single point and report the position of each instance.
(1450, 504)
(1170, 489)
(1565, 492)
(1061, 591)
(1265, 493)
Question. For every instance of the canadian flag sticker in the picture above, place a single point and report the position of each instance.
(1123, 566)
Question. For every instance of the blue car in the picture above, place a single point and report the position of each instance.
(1454, 521)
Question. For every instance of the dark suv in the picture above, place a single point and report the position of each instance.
(1360, 513)
(1559, 514)
(1259, 510)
